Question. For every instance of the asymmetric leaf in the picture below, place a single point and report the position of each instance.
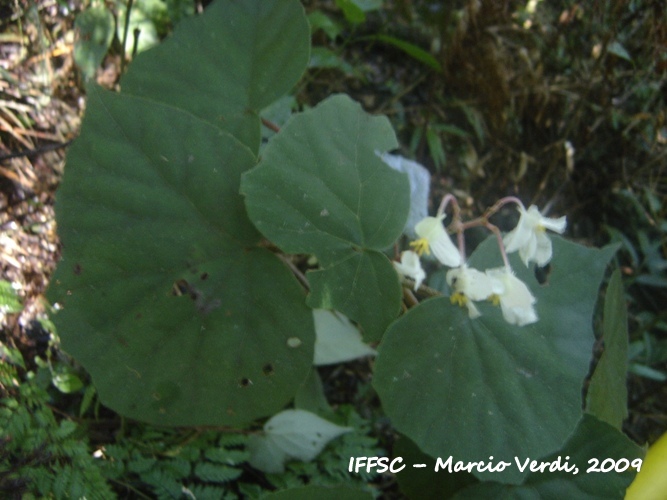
(592, 439)
(426, 482)
(320, 188)
(362, 287)
(475, 388)
(167, 300)
(228, 64)
(291, 435)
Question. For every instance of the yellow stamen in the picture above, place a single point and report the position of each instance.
(459, 299)
(421, 246)
(494, 299)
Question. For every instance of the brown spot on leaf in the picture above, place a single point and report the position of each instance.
(182, 287)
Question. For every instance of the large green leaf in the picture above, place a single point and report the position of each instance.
(425, 482)
(167, 301)
(228, 64)
(363, 286)
(321, 188)
(593, 444)
(475, 388)
(607, 396)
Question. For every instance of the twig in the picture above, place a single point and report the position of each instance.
(295, 270)
(126, 27)
(270, 125)
(37, 151)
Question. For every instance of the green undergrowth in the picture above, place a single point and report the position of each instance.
(46, 455)
(41, 455)
(209, 464)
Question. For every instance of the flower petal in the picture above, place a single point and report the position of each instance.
(410, 266)
(428, 227)
(527, 251)
(516, 238)
(439, 241)
(473, 312)
(445, 251)
(556, 225)
(520, 235)
(516, 301)
(472, 283)
(543, 250)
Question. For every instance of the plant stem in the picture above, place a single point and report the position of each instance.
(123, 59)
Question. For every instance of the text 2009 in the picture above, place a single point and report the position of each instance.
(609, 465)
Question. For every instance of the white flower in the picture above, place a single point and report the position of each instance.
(529, 236)
(471, 284)
(410, 267)
(516, 301)
(432, 236)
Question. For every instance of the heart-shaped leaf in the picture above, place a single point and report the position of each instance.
(167, 301)
(425, 482)
(475, 388)
(321, 188)
(291, 435)
(593, 444)
(228, 64)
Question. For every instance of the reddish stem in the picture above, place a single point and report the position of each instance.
(501, 202)
(501, 245)
(270, 125)
(445, 201)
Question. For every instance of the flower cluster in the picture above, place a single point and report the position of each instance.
(500, 285)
